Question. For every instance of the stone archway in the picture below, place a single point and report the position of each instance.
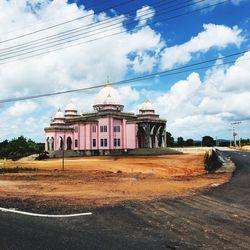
(141, 136)
(48, 144)
(69, 143)
(160, 136)
(52, 143)
(61, 143)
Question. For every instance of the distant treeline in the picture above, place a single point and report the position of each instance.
(206, 141)
(19, 147)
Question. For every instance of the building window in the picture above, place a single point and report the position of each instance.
(104, 142)
(116, 128)
(76, 143)
(76, 129)
(94, 129)
(117, 142)
(94, 143)
(103, 128)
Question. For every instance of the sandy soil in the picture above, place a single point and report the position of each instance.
(246, 148)
(98, 181)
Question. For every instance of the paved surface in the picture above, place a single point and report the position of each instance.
(218, 219)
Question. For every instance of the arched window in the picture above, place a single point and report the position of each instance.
(61, 143)
(48, 144)
(52, 143)
(69, 143)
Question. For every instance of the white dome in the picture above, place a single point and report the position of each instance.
(147, 105)
(108, 95)
(59, 114)
(71, 107)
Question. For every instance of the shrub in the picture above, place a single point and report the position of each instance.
(16, 170)
(211, 161)
(42, 156)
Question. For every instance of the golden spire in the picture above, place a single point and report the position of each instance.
(59, 110)
(146, 101)
(107, 82)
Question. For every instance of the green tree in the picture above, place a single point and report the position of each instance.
(169, 139)
(3, 149)
(180, 141)
(208, 141)
(19, 147)
(189, 142)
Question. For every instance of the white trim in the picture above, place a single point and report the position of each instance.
(43, 215)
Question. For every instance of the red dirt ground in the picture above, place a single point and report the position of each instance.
(96, 181)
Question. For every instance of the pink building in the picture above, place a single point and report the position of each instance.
(107, 129)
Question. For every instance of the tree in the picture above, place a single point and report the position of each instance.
(169, 139)
(180, 141)
(3, 149)
(208, 141)
(19, 147)
(189, 142)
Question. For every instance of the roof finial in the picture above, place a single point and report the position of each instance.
(146, 100)
(59, 110)
(107, 82)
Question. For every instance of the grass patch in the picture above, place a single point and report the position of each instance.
(17, 170)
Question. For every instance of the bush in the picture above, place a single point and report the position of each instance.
(42, 156)
(211, 161)
(16, 170)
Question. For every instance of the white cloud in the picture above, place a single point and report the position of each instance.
(128, 95)
(21, 108)
(187, 104)
(208, 2)
(213, 36)
(77, 67)
(144, 14)
(194, 107)
(144, 63)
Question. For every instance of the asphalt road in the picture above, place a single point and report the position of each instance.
(218, 219)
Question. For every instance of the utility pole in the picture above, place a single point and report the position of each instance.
(236, 132)
(230, 137)
(63, 152)
(239, 133)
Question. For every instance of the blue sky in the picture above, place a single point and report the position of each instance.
(195, 103)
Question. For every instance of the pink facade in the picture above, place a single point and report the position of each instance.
(107, 128)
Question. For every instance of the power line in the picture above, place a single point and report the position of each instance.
(107, 20)
(63, 23)
(92, 40)
(73, 38)
(165, 73)
(110, 21)
(56, 17)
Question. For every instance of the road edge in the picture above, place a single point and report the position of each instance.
(227, 166)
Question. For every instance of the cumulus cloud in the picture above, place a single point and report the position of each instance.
(213, 36)
(21, 108)
(208, 2)
(77, 67)
(194, 107)
(188, 101)
(144, 14)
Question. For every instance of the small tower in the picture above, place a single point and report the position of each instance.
(71, 110)
(59, 119)
(146, 110)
